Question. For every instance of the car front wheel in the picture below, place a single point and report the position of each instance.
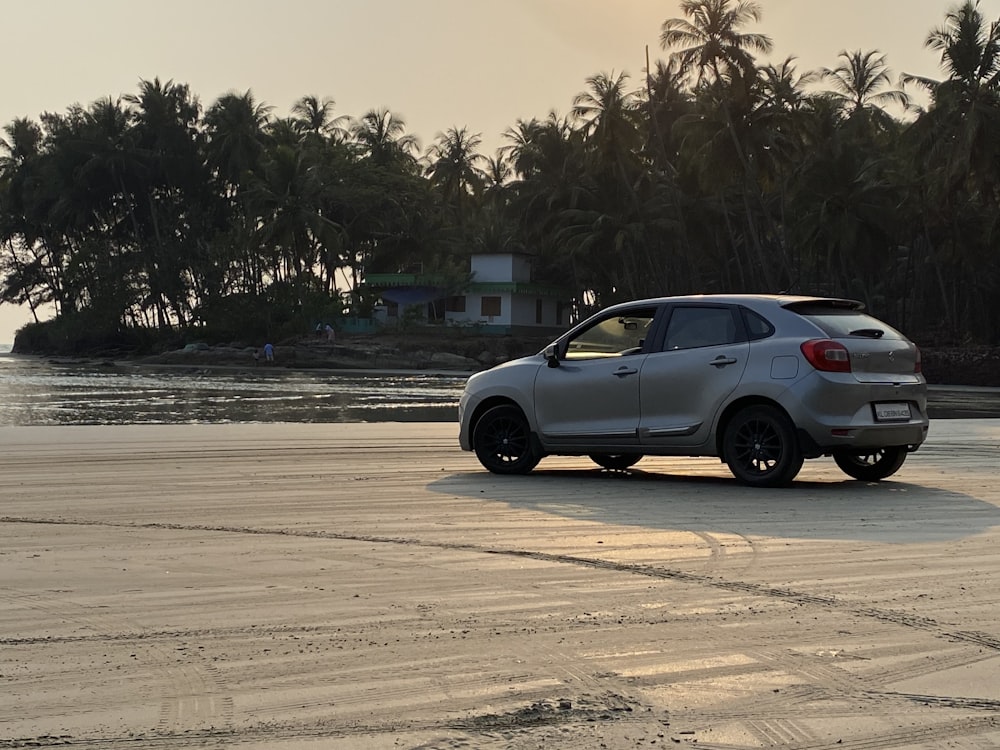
(615, 461)
(871, 465)
(760, 447)
(502, 441)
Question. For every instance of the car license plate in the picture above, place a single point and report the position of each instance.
(895, 412)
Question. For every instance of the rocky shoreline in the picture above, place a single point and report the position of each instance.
(380, 352)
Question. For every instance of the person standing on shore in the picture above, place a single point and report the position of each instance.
(269, 353)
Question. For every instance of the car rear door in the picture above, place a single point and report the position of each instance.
(703, 354)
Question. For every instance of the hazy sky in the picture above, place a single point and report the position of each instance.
(438, 63)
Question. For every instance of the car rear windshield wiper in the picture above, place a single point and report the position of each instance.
(872, 333)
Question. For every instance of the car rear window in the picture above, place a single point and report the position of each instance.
(840, 323)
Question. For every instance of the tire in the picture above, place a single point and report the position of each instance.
(871, 465)
(615, 461)
(502, 441)
(760, 447)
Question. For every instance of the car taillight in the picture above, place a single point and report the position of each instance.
(826, 355)
(918, 366)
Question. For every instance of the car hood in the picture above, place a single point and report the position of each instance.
(502, 373)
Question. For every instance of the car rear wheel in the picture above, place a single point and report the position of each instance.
(502, 441)
(871, 465)
(760, 447)
(615, 461)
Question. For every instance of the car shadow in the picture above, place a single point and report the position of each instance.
(894, 512)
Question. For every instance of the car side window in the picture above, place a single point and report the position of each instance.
(757, 327)
(692, 327)
(613, 336)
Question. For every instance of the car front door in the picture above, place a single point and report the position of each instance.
(701, 360)
(590, 400)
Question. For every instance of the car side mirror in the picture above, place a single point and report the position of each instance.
(551, 354)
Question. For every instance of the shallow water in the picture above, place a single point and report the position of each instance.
(41, 392)
(36, 391)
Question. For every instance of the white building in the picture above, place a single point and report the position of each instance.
(501, 297)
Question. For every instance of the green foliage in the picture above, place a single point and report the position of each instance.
(147, 216)
(82, 334)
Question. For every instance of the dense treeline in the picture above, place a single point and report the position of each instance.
(717, 173)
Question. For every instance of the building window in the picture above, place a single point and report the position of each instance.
(490, 307)
(455, 304)
(538, 311)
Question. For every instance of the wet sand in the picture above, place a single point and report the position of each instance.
(369, 586)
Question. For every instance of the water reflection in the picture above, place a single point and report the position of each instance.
(38, 392)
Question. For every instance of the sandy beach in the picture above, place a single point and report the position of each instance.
(370, 586)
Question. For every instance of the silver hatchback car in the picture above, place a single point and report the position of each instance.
(761, 381)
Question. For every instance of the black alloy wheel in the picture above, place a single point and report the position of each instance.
(502, 441)
(873, 464)
(760, 447)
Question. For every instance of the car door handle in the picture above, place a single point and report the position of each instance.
(721, 361)
(623, 371)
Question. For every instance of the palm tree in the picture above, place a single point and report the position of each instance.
(498, 230)
(712, 47)
(496, 175)
(453, 169)
(79, 213)
(843, 212)
(960, 128)
(166, 118)
(608, 117)
(666, 100)
(957, 143)
(605, 106)
(783, 87)
(382, 137)
(521, 145)
(970, 50)
(289, 199)
(176, 201)
(547, 156)
(315, 116)
(47, 210)
(23, 262)
(862, 85)
(719, 57)
(22, 142)
(235, 125)
(614, 215)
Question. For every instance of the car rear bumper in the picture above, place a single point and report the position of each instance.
(842, 414)
(815, 443)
